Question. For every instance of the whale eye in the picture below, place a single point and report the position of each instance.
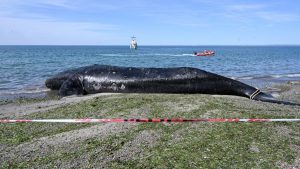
(114, 86)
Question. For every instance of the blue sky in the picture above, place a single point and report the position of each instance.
(153, 22)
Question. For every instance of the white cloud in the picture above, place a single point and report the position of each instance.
(266, 12)
(22, 25)
(25, 31)
(40, 3)
(79, 4)
(244, 7)
(277, 17)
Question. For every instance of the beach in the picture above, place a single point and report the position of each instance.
(136, 84)
(152, 145)
(23, 95)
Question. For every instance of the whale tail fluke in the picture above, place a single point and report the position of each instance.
(264, 97)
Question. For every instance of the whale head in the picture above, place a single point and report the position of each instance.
(72, 86)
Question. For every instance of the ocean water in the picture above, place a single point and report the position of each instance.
(24, 69)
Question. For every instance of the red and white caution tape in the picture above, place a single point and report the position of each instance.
(145, 120)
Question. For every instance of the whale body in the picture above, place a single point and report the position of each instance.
(116, 79)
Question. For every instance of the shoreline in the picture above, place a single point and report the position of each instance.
(262, 83)
(44, 101)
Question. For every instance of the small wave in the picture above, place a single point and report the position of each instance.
(274, 76)
(114, 55)
(246, 78)
(144, 54)
(294, 75)
(286, 75)
(23, 91)
(187, 54)
(166, 54)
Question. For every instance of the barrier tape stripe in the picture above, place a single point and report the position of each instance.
(145, 120)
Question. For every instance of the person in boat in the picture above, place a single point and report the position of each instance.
(208, 52)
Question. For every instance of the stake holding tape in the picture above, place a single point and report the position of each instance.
(145, 120)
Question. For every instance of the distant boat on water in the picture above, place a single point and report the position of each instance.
(133, 44)
(204, 53)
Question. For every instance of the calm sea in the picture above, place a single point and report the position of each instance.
(23, 69)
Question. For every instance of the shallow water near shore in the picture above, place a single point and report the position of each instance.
(25, 68)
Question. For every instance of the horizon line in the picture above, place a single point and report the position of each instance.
(152, 45)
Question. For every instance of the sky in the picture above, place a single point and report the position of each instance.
(153, 22)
